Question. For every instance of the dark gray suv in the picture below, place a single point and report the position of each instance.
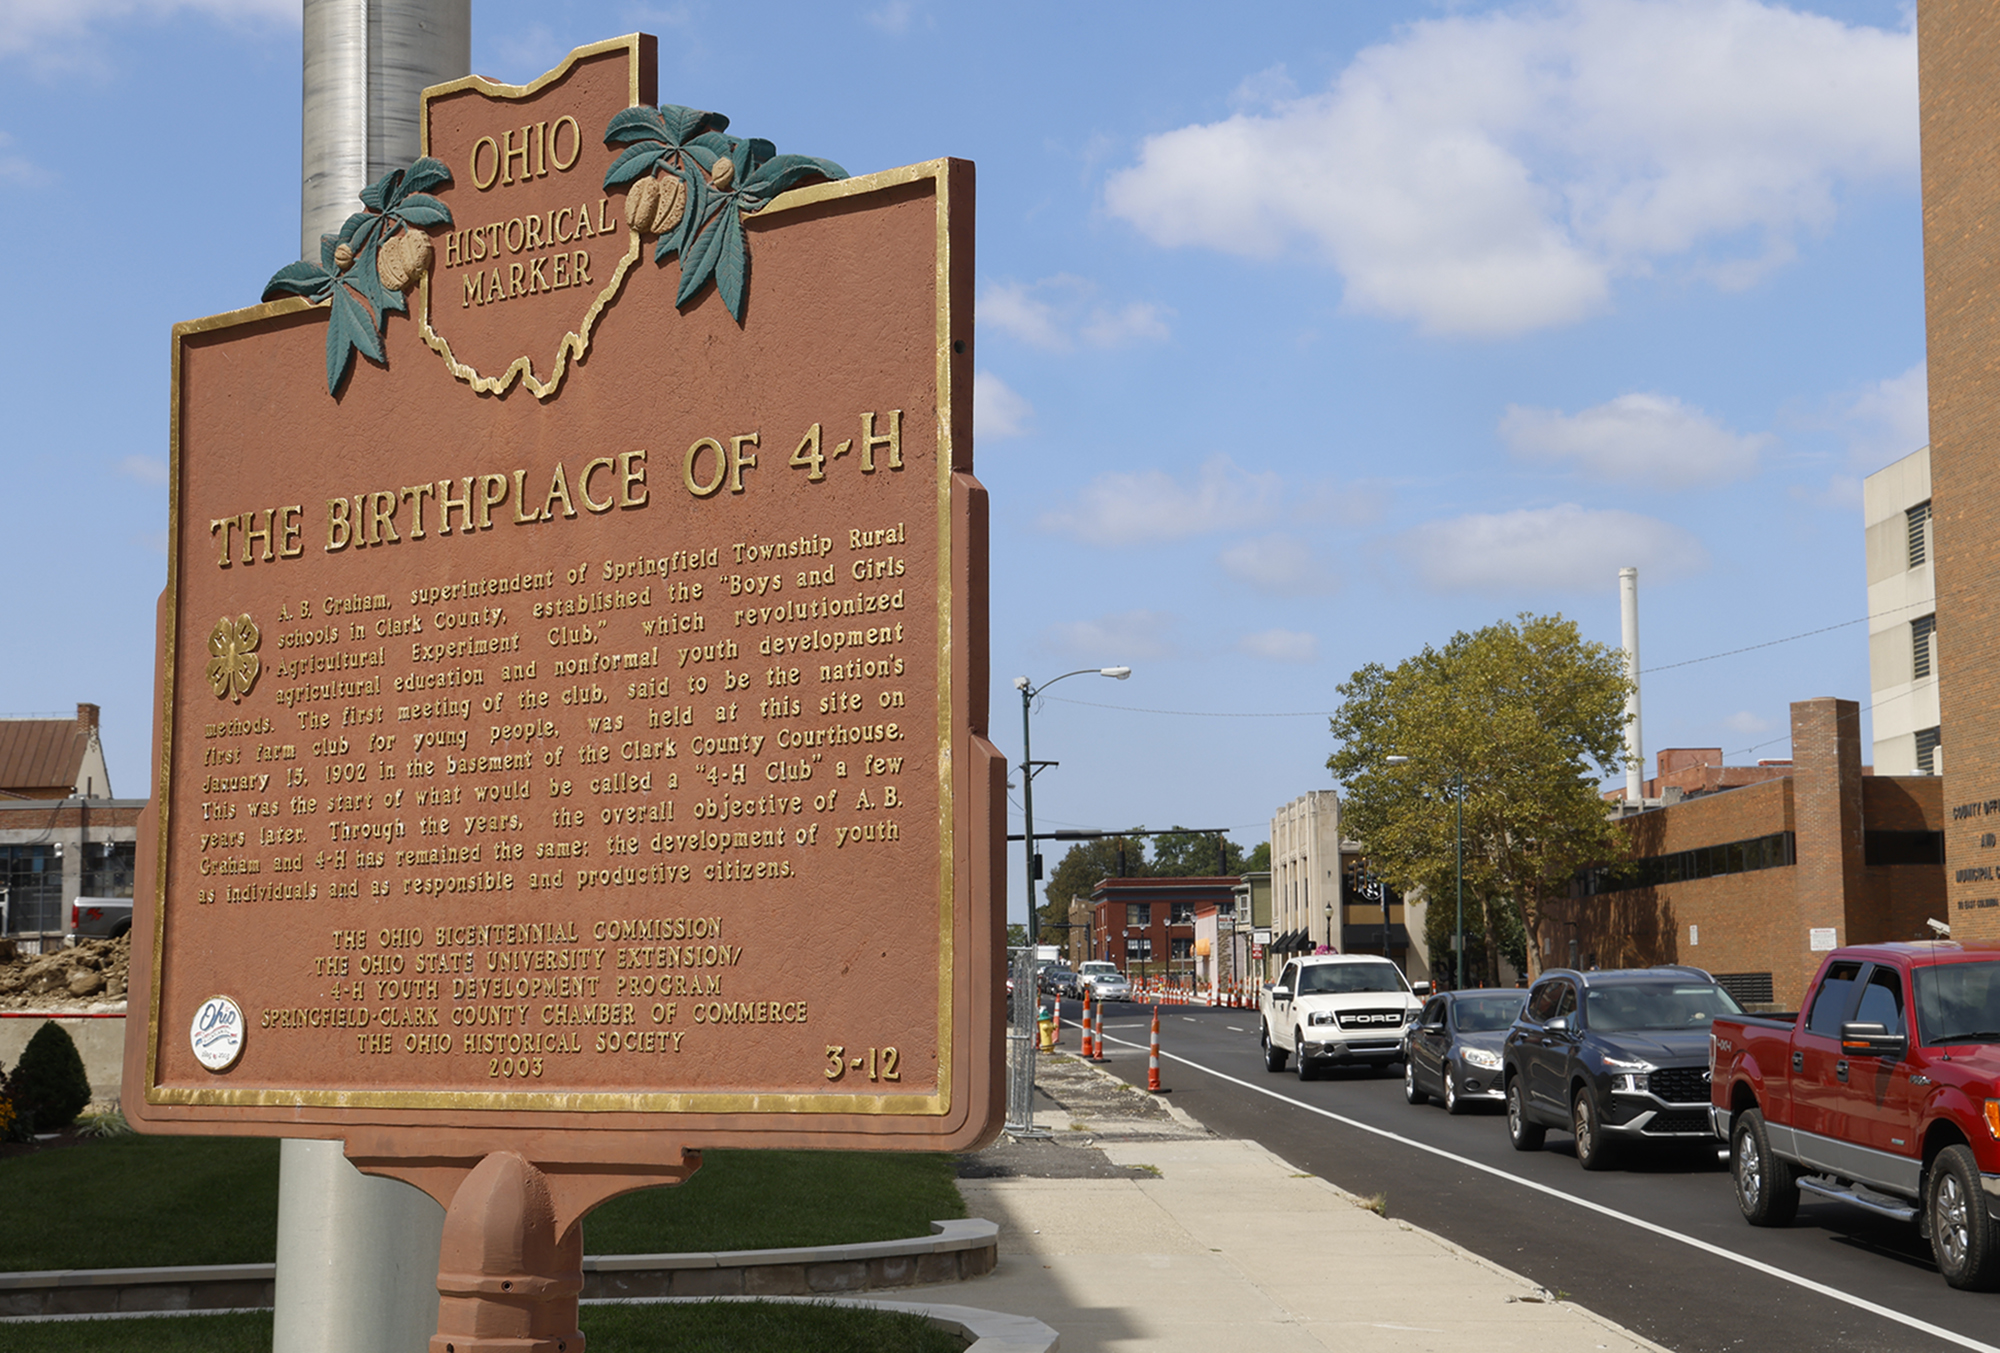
(1613, 1057)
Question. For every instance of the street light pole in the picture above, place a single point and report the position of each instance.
(1029, 766)
(1458, 785)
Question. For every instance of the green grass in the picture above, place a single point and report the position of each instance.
(131, 1202)
(180, 1334)
(705, 1327)
(134, 1202)
(753, 1200)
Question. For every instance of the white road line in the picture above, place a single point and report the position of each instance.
(1233, 1029)
(1861, 1303)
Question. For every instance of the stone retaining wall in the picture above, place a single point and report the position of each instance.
(953, 1251)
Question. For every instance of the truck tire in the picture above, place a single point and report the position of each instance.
(1592, 1151)
(1962, 1232)
(1274, 1056)
(1767, 1187)
(1411, 1094)
(1524, 1135)
(1299, 1055)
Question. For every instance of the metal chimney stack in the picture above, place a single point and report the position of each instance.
(366, 63)
(1628, 608)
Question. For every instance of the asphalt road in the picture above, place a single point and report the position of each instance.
(1656, 1244)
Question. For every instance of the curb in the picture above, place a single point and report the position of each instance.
(955, 1250)
(987, 1331)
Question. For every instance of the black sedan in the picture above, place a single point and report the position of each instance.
(1614, 1057)
(1452, 1052)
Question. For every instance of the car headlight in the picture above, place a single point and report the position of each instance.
(1628, 1077)
(1321, 1017)
(1481, 1058)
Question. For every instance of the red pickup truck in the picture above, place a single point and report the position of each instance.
(1881, 1093)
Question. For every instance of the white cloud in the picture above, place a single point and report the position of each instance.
(1151, 506)
(19, 169)
(1889, 419)
(1566, 547)
(1280, 646)
(1492, 174)
(1279, 564)
(997, 411)
(1057, 312)
(893, 18)
(145, 469)
(42, 26)
(1643, 438)
(1117, 638)
(1746, 723)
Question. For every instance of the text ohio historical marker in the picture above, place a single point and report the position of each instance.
(572, 670)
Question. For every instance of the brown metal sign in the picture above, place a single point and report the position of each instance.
(572, 669)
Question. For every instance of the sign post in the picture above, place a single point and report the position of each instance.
(571, 747)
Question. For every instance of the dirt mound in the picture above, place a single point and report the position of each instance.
(90, 974)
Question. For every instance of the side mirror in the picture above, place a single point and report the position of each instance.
(1434, 1027)
(1870, 1040)
(1558, 1025)
(1421, 988)
(1281, 993)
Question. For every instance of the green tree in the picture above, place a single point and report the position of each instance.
(1522, 719)
(49, 1087)
(1079, 872)
(1258, 861)
(1180, 854)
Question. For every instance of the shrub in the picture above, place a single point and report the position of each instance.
(49, 1087)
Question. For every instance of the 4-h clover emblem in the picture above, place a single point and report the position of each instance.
(233, 663)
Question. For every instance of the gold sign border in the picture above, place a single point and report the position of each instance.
(575, 343)
(936, 1105)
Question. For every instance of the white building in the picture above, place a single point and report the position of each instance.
(1305, 871)
(1902, 617)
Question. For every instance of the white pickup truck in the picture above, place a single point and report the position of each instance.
(1336, 1010)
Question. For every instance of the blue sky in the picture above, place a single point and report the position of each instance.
(1305, 338)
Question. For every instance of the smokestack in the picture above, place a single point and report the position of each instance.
(1628, 610)
(366, 64)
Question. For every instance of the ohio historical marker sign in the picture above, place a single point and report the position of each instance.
(572, 666)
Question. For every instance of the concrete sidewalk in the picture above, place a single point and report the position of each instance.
(1210, 1244)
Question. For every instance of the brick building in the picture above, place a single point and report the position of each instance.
(1755, 883)
(1146, 925)
(1684, 772)
(1958, 53)
(62, 835)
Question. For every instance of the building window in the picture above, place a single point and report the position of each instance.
(1920, 520)
(31, 880)
(1138, 949)
(1182, 913)
(1775, 851)
(1927, 745)
(1181, 950)
(107, 868)
(1922, 637)
(1138, 913)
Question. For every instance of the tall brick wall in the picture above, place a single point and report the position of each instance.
(1958, 76)
(1826, 811)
